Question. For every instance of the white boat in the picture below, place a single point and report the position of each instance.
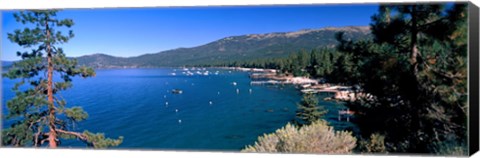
(177, 91)
(308, 91)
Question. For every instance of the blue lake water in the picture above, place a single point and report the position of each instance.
(133, 103)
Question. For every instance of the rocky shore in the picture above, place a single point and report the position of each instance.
(305, 84)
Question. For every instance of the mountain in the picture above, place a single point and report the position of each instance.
(234, 48)
(7, 64)
(103, 61)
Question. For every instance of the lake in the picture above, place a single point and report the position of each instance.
(210, 114)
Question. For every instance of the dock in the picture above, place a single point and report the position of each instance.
(346, 113)
(269, 82)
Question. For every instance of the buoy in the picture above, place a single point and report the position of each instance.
(176, 110)
(179, 121)
(166, 103)
(211, 102)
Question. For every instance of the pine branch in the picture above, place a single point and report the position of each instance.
(444, 74)
(36, 139)
(44, 140)
(76, 134)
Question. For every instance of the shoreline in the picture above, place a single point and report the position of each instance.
(260, 76)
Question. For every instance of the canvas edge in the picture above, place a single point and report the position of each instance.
(473, 49)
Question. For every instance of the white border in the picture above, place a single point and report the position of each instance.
(47, 4)
(81, 153)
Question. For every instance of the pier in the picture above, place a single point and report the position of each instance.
(345, 114)
(269, 82)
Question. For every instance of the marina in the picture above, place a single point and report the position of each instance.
(306, 85)
(148, 102)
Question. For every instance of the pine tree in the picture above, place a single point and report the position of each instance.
(308, 110)
(416, 74)
(342, 69)
(314, 64)
(38, 112)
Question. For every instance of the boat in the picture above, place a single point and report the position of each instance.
(189, 73)
(308, 91)
(346, 112)
(177, 91)
(206, 73)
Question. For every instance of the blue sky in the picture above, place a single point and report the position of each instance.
(127, 32)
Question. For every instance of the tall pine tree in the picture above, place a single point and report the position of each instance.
(38, 112)
(308, 110)
(415, 69)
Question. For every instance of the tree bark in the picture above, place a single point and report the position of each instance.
(52, 138)
(413, 42)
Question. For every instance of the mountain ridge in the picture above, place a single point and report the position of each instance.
(231, 48)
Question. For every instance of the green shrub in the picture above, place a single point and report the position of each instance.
(376, 144)
(315, 138)
(449, 147)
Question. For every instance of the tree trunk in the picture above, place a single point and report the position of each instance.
(415, 112)
(413, 42)
(52, 138)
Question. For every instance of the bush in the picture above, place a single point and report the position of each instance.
(376, 144)
(315, 138)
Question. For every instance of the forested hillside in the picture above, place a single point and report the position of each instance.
(234, 48)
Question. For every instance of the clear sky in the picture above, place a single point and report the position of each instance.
(135, 31)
